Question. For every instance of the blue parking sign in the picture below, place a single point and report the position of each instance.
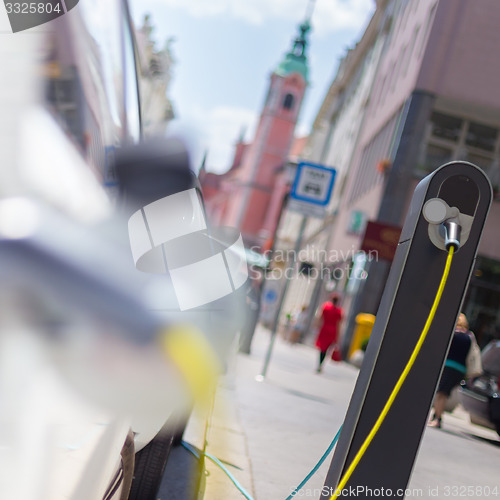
(313, 183)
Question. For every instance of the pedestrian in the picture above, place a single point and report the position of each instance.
(455, 368)
(299, 328)
(331, 315)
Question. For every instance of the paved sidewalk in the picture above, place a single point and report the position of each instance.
(259, 427)
(272, 433)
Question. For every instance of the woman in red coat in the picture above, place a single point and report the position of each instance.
(331, 317)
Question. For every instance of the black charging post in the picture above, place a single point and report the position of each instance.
(408, 296)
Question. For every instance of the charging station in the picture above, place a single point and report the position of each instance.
(449, 207)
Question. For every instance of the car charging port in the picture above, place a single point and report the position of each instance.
(446, 224)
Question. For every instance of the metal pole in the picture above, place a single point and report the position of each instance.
(281, 300)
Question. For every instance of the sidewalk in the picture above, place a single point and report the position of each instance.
(275, 430)
(270, 434)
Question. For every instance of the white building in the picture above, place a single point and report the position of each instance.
(156, 74)
(422, 90)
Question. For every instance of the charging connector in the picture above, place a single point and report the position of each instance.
(447, 226)
(452, 232)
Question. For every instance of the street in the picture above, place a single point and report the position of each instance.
(273, 432)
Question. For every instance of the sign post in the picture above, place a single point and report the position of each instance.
(310, 194)
(312, 189)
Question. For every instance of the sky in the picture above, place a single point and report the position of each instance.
(225, 52)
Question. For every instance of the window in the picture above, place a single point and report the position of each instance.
(288, 101)
(402, 59)
(453, 138)
(445, 126)
(357, 222)
(408, 56)
(481, 136)
(270, 96)
(481, 161)
(379, 91)
(306, 269)
(430, 20)
(436, 156)
(483, 303)
(379, 148)
(392, 77)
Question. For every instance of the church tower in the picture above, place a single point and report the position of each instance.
(254, 183)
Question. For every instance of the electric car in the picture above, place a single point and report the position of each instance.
(481, 396)
(93, 387)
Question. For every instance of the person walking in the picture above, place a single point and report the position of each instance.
(299, 327)
(331, 316)
(454, 368)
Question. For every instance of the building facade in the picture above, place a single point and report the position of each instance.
(154, 80)
(432, 97)
(332, 142)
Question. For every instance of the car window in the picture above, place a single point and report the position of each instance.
(89, 68)
(102, 20)
(82, 66)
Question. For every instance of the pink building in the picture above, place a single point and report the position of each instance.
(250, 194)
(433, 98)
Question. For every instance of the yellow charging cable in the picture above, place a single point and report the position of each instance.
(400, 381)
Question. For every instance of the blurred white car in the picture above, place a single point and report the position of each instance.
(96, 380)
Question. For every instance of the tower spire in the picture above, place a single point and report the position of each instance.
(295, 60)
(300, 43)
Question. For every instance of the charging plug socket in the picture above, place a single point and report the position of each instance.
(447, 226)
(452, 232)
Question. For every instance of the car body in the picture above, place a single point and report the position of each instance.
(481, 395)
